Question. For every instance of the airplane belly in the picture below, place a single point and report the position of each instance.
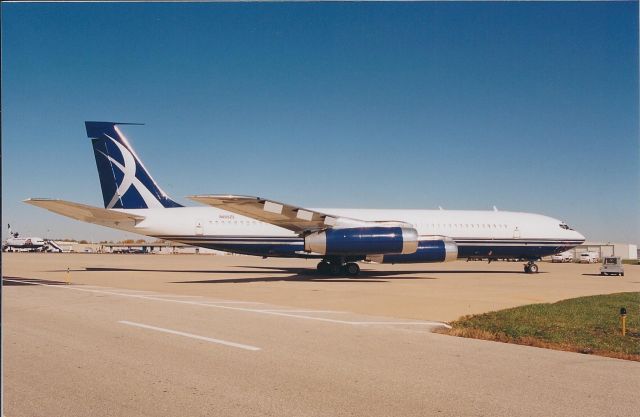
(281, 250)
(511, 250)
(276, 246)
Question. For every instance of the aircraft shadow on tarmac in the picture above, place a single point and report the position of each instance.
(301, 275)
(306, 275)
(596, 275)
(19, 281)
(307, 271)
(294, 274)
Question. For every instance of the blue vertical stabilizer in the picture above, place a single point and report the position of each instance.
(125, 181)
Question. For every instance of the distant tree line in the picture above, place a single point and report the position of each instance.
(104, 242)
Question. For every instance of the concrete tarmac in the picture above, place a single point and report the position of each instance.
(134, 336)
(440, 291)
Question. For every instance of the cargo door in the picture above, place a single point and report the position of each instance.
(199, 228)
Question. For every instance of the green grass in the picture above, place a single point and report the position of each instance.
(585, 324)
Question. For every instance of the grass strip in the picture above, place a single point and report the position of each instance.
(585, 324)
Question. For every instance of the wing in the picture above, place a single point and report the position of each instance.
(84, 212)
(297, 219)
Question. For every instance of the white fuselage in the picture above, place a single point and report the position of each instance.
(456, 224)
(25, 242)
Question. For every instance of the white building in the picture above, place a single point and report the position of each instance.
(623, 250)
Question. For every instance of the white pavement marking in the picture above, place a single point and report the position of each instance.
(400, 323)
(191, 335)
(281, 310)
(175, 296)
(232, 302)
(251, 310)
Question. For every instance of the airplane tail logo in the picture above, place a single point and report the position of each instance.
(125, 181)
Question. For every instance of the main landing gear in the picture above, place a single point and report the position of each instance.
(531, 268)
(351, 269)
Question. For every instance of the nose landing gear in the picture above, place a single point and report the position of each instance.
(531, 268)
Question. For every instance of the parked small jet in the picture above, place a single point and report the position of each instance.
(15, 243)
(340, 238)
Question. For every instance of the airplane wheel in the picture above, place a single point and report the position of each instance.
(335, 269)
(527, 270)
(352, 269)
(323, 267)
(533, 269)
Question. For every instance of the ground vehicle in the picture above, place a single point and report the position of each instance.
(612, 265)
(566, 256)
(589, 258)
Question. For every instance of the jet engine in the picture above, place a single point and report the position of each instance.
(440, 249)
(363, 241)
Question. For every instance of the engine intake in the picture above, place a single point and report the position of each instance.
(363, 241)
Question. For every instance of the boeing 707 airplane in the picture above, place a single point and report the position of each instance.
(340, 238)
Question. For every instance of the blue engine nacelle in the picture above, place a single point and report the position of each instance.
(363, 241)
(433, 250)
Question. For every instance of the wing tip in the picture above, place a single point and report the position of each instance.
(32, 200)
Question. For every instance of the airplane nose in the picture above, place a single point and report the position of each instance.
(579, 236)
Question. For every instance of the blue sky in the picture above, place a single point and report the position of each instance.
(526, 106)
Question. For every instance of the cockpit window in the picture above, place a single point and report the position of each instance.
(565, 226)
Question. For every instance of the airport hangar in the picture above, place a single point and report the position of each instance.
(626, 251)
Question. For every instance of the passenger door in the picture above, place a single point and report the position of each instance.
(516, 233)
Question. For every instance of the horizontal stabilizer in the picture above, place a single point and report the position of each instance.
(85, 213)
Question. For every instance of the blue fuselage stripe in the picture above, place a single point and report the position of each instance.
(288, 246)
